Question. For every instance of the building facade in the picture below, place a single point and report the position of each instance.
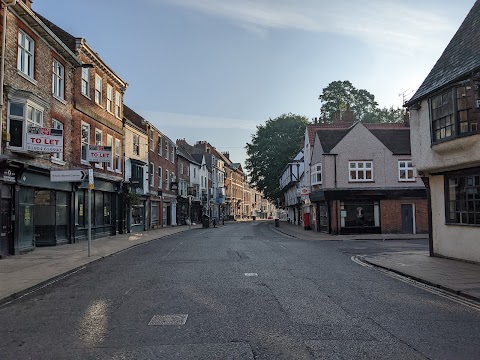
(445, 122)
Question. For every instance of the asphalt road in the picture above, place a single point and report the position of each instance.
(246, 292)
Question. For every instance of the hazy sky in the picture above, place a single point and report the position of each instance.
(214, 69)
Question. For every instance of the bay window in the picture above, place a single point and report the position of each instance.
(21, 115)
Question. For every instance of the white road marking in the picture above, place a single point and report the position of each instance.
(175, 319)
(431, 289)
(251, 274)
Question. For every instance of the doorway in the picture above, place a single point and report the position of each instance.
(407, 219)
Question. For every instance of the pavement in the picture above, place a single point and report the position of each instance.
(24, 273)
(459, 277)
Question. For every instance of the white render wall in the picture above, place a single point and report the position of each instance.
(449, 155)
(460, 242)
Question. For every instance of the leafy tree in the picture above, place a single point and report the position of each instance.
(384, 115)
(339, 95)
(272, 147)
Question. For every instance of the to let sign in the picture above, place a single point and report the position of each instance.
(101, 154)
(44, 139)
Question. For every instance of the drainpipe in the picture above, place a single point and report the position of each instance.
(5, 5)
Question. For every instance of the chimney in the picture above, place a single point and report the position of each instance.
(227, 154)
(406, 119)
(336, 116)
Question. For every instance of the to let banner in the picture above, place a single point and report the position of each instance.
(100, 154)
(44, 139)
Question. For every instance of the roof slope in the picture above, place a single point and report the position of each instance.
(395, 137)
(396, 140)
(133, 117)
(198, 158)
(181, 151)
(460, 57)
(66, 38)
(329, 138)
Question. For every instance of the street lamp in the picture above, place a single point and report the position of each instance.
(5, 4)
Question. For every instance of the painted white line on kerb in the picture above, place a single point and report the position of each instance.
(431, 289)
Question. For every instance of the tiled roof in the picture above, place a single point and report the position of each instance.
(66, 38)
(181, 151)
(133, 117)
(395, 137)
(312, 129)
(396, 140)
(198, 158)
(460, 57)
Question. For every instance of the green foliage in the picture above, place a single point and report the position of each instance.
(384, 115)
(272, 147)
(339, 95)
(131, 198)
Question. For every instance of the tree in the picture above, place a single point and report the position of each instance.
(339, 95)
(272, 147)
(384, 115)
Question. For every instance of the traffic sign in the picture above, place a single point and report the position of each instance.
(68, 175)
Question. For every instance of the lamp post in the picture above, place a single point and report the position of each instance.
(5, 5)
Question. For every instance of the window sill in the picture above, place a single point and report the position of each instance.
(99, 105)
(63, 101)
(99, 166)
(110, 112)
(406, 180)
(88, 97)
(118, 171)
(57, 161)
(463, 225)
(28, 78)
(361, 181)
(84, 162)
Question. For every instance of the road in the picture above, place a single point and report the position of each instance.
(242, 291)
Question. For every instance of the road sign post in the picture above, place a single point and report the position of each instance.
(90, 187)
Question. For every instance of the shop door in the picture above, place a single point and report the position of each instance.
(407, 218)
(169, 215)
(323, 218)
(6, 224)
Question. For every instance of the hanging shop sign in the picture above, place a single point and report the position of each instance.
(100, 154)
(44, 139)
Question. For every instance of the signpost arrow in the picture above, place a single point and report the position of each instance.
(68, 175)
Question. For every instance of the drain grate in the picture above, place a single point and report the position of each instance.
(177, 319)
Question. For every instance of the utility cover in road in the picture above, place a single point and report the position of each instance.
(68, 175)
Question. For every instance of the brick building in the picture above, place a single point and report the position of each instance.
(38, 82)
(363, 181)
(97, 114)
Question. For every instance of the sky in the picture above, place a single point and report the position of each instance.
(215, 69)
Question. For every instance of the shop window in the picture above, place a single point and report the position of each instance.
(357, 214)
(462, 194)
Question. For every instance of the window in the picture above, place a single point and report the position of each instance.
(110, 98)
(118, 104)
(136, 144)
(172, 155)
(59, 126)
(152, 175)
(317, 174)
(85, 141)
(20, 117)
(360, 171)
(463, 199)
(86, 82)
(26, 54)
(167, 179)
(99, 142)
(452, 113)
(159, 145)
(150, 140)
(98, 89)
(194, 173)
(160, 173)
(181, 168)
(118, 166)
(58, 80)
(166, 150)
(110, 143)
(405, 170)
